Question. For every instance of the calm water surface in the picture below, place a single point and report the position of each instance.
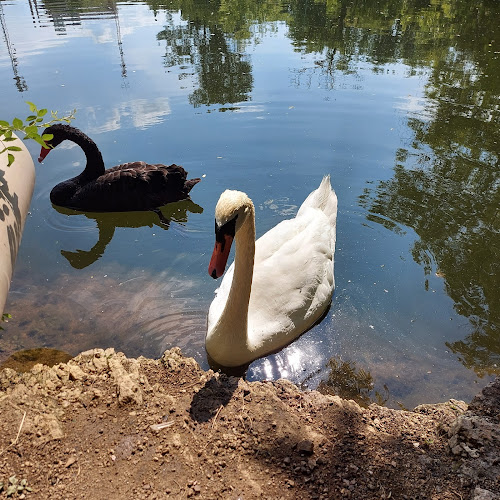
(397, 101)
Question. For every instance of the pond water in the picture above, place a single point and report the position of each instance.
(398, 101)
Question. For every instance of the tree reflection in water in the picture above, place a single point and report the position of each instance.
(224, 74)
(446, 181)
(349, 382)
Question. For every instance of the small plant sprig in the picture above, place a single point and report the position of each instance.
(5, 317)
(29, 127)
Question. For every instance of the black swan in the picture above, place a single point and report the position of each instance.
(128, 187)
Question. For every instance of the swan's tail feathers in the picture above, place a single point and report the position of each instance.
(323, 198)
(190, 183)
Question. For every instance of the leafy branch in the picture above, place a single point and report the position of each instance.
(30, 127)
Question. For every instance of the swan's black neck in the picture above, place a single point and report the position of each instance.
(95, 163)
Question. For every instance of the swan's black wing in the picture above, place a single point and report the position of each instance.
(134, 186)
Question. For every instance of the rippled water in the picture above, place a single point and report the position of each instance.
(399, 102)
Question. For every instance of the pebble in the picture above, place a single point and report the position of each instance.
(305, 446)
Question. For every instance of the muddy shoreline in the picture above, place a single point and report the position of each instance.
(106, 426)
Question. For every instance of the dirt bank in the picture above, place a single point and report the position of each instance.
(105, 426)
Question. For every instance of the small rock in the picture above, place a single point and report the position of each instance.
(70, 462)
(305, 446)
(470, 451)
(482, 494)
(311, 463)
(76, 373)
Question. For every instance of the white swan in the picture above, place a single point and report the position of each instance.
(277, 287)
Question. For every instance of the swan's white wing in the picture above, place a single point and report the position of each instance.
(293, 278)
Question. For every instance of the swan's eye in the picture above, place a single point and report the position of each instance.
(227, 229)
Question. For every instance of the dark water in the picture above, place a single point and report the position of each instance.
(398, 101)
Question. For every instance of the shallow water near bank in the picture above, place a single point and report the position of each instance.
(399, 109)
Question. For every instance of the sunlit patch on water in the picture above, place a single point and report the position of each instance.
(292, 363)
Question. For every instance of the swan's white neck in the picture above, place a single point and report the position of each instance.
(229, 336)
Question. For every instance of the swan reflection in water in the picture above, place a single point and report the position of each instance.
(107, 222)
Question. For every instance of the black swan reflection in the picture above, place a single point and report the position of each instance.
(108, 222)
(128, 187)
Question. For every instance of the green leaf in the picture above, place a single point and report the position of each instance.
(5, 124)
(42, 112)
(39, 120)
(17, 123)
(30, 130)
(47, 137)
(11, 159)
(14, 148)
(8, 135)
(40, 141)
(30, 118)
(32, 106)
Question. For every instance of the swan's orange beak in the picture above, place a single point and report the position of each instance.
(43, 153)
(219, 257)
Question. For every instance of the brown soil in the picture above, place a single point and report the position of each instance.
(105, 426)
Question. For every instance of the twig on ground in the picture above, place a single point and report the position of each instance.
(191, 385)
(242, 422)
(216, 415)
(179, 486)
(20, 427)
